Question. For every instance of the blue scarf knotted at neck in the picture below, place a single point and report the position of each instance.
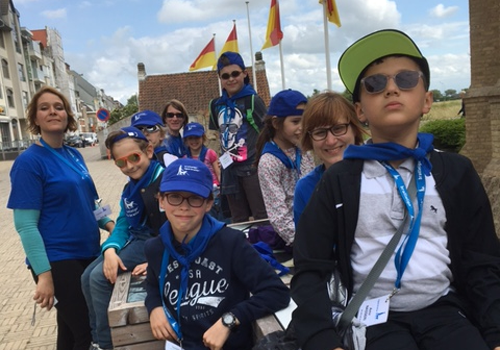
(390, 151)
(131, 196)
(272, 148)
(229, 102)
(192, 250)
(201, 157)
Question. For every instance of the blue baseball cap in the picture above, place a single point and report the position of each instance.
(193, 129)
(146, 118)
(187, 175)
(227, 58)
(285, 103)
(130, 131)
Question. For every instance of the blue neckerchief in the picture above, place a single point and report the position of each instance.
(230, 106)
(407, 247)
(176, 146)
(392, 151)
(192, 251)
(201, 157)
(272, 148)
(131, 196)
(75, 164)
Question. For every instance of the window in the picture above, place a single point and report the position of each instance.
(20, 69)
(2, 42)
(10, 98)
(25, 100)
(5, 68)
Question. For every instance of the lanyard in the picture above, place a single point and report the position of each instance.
(176, 326)
(406, 249)
(76, 166)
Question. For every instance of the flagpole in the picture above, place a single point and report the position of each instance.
(254, 74)
(216, 59)
(327, 48)
(282, 68)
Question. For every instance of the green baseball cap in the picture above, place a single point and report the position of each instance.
(374, 46)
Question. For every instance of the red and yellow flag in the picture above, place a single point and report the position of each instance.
(274, 33)
(206, 58)
(331, 12)
(231, 42)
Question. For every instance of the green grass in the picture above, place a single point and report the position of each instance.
(443, 110)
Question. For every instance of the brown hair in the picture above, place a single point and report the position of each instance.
(267, 133)
(325, 109)
(111, 139)
(32, 109)
(177, 105)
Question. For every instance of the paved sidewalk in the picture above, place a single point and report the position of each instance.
(16, 283)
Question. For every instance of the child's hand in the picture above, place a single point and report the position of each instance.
(160, 326)
(140, 269)
(215, 337)
(111, 264)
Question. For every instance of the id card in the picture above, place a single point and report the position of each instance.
(374, 311)
(226, 160)
(172, 346)
(102, 212)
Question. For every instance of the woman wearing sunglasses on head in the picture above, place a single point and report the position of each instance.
(175, 117)
(54, 202)
(151, 125)
(139, 219)
(329, 125)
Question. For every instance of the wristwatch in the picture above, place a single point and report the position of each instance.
(229, 320)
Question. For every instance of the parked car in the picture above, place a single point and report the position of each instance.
(90, 137)
(75, 141)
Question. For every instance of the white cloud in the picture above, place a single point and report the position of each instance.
(85, 4)
(441, 12)
(53, 14)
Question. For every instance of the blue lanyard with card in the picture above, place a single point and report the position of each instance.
(173, 322)
(406, 249)
(80, 169)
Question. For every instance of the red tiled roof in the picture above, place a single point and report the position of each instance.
(193, 89)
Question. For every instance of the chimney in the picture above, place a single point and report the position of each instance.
(141, 71)
(260, 65)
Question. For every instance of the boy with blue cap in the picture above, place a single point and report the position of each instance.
(206, 285)
(441, 287)
(238, 115)
(140, 218)
(152, 127)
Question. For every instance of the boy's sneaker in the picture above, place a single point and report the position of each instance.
(95, 346)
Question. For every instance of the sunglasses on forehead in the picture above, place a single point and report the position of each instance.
(405, 80)
(233, 74)
(176, 115)
(133, 158)
(149, 129)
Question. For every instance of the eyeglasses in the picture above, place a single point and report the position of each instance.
(233, 128)
(234, 74)
(320, 134)
(177, 115)
(405, 80)
(149, 129)
(133, 158)
(176, 199)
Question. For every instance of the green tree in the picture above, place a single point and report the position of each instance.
(120, 113)
(347, 95)
(437, 95)
(450, 94)
(315, 92)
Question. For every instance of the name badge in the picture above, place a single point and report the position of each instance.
(374, 311)
(226, 160)
(102, 212)
(172, 346)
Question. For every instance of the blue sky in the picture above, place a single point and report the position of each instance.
(105, 40)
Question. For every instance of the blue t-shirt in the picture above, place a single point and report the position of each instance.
(42, 181)
(303, 191)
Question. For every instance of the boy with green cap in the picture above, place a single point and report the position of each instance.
(441, 288)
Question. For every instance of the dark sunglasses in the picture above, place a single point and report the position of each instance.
(405, 80)
(319, 134)
(133, 158)
(149, 129)
(177, 115)
(176, 199)
(234, 74)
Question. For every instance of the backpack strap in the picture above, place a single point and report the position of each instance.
(249, 116)
(211, 115)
